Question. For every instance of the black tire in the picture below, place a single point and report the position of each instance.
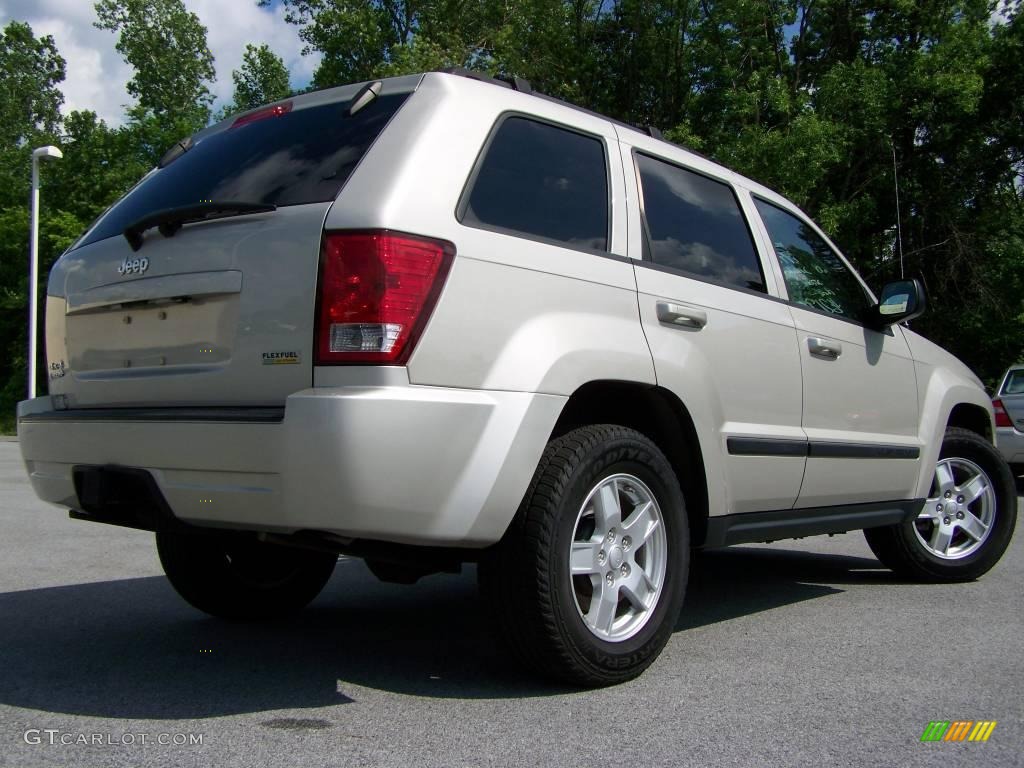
(235, 576)
(525, 580)
(899, 548)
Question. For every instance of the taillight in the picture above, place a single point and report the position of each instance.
(376, 292)
(262, 114)
(1002, 417)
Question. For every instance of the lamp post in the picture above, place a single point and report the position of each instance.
(33, 270)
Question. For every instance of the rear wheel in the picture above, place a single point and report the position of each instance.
(587, 584)
(966, 522)
(235, 576)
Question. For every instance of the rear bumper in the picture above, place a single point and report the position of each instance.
(410, 464)
(1011, 444)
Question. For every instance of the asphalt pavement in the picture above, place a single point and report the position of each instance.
(803, 653)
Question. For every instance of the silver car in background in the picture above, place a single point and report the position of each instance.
(1009, 407)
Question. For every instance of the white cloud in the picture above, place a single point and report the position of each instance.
(92, 81)
(97, 75)
(231, 24)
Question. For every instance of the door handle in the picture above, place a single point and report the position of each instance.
(824, 348)
(676, 314)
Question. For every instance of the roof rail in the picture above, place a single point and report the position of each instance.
(519, 84)
(505, 81)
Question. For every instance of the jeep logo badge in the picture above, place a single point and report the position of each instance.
(133, 266)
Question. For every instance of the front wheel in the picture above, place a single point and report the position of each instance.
(966, 522)
(236, 576)
(588, 582)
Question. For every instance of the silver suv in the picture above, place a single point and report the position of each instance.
(442, 319)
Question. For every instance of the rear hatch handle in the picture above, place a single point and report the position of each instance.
(170, 220)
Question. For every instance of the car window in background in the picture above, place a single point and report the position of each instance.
(303, 156)
(815, 276)
(696, 225)
(1014, 384)
(542, 181)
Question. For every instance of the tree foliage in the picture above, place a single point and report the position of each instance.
(30, 100)
(165, 44)
(262, 78)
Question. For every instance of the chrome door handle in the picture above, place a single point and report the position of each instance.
(676, 314)
(825, 348)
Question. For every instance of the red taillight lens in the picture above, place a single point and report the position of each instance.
(262, 114)
(1002, 417)
(376, 293)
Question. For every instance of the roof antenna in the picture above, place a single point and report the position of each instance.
(899, 232)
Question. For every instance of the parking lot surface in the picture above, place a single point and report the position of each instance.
(800, 653)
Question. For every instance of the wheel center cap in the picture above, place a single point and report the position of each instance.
(615, 557)
(950, 507)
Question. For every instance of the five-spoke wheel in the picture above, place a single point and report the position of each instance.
(966, 522)
(618, 557)
(957, 516)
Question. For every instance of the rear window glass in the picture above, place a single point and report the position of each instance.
(542, 181)
(695, 225)
(305, 156)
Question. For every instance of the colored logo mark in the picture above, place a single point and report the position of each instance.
(958, 730)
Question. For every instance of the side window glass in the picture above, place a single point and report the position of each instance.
(815, 276)
(542, 181)
(695, 225)
(1014, 383)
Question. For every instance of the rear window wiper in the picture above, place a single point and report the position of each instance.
(170, 220)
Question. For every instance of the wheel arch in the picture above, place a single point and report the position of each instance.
(657, 413)
(971, 417)
(948, 402)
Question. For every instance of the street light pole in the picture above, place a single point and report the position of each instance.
(33, 270)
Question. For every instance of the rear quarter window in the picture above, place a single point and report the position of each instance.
(541, 181)
(302, 156)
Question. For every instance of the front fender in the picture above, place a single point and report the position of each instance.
(943, 383)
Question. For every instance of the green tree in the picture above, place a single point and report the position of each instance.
(99, 164)
(262, 78)
(29, 101)
(355, 37)
(29, 116)
(57, 230)
(29, 105)
(166, 46)
(362, 39)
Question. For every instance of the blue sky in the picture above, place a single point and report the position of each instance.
(96, 74)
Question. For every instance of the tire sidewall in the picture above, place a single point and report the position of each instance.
(633, 457)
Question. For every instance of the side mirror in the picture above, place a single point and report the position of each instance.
(900, 301)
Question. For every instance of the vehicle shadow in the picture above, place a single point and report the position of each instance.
(739, 581)
(132, 649)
